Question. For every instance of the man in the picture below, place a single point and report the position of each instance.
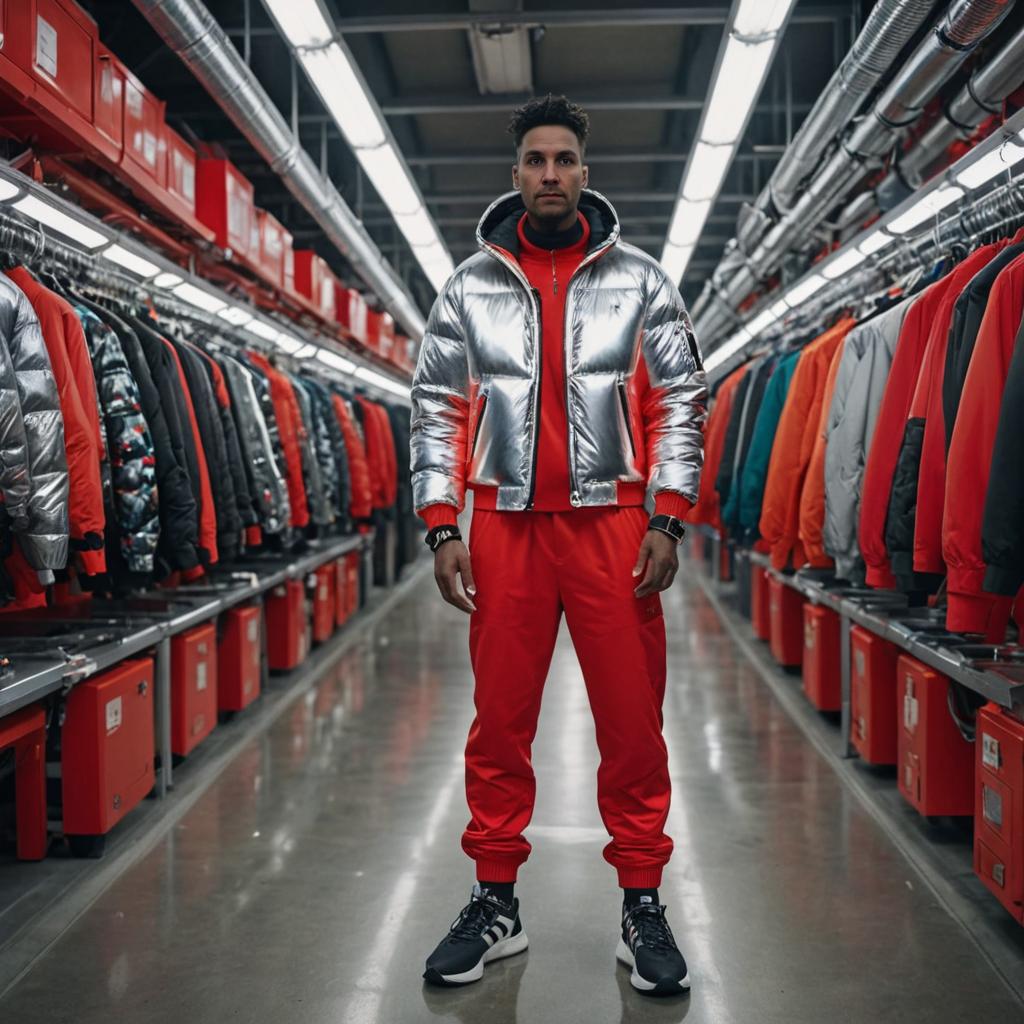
(559, 378)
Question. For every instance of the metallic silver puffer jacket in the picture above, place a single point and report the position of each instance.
(635, 385)
(34, 473)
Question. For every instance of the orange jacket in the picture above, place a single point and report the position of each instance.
(361, 506)
(812, 499)
(793, 446)
(383, 465)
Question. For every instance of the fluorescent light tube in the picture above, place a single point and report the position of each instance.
(200, 299)
(780, 309)
(127, 259)
(760, 17)
(287, 343)
(418, 227)
(874, 242)
(675, 259)
(334, 361)
(725, 351)
(843, 263)
(708, 166)
(343, 93)
(736, 87)
(390, 178)
(372, 377)
(168, 280)
(8, 190)
(306, 351)
(801, 292)
(301, 21)
(761, 322)
(51, 217)
(688, 222)
(236, 315)
(991, 165)
(925, 208)
(261, 329)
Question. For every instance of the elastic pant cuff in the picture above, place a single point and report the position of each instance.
(496, 870)
(639, 878)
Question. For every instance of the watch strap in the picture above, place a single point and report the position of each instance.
(440, 534)
(668, 524)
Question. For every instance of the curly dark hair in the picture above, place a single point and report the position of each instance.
(543, 110)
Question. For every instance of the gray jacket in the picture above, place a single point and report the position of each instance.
(34, 474)
(860, 384)
(635, 386)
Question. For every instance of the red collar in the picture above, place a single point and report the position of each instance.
(528, 249)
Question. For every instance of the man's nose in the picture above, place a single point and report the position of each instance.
(551, 172)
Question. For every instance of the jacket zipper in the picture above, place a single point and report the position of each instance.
(536, 403)
(481, 405)
(625, 415)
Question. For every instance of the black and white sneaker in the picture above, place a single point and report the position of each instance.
(486, 929)
(648, 946)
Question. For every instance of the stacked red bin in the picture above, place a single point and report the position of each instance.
(786, 613)
(239, 658)
(287, 626)
(760, 610)
(193, 688)
(873, 705)
(324, 615)
(821, 665)
(936, 763)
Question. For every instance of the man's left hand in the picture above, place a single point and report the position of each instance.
(657, 562)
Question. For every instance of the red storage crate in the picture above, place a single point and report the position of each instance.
(874, 709)
(273, 240)
(224, 202)
(999, 807)
(353, 560)
(936, 764)
(108, 85)
(107, 748)
(326, 301)
(323, 603)
(821, 665)
(342, 609)
(193, 688)
(760, 610)
(289, 266)
(309, 274)
(386, 335)
(786, 615)
(181, 170)
(145, 148)
(239, 658)
(287, 626)
(24, 731)
(373, 327)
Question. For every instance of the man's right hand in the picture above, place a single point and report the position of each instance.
(450, 560)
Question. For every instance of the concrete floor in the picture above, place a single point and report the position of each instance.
(309, 882)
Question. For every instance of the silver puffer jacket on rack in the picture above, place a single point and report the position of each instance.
(635, 385)
(33, 463)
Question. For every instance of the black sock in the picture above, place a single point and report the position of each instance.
(502, 890)
(634, 897)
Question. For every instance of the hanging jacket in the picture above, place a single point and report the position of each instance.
(292, 431)
(324, 450)
(77, 397)
(885, 446)
(812, 497)
(1002, 529)
(261, 385)
(731, 436)
(179, 516)
(317, 490)
(376, 454)
(390, 456)
(268, 489)
(967, 316)
(920, 474)
(333, 446)
(755, 466)
(211, 438)
(132, 455)
(407, 532)
(859, 386)
(969, 608)
(361, 507)
(41, 521)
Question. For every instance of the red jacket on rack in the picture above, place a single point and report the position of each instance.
(361, 506)
(889, 427)
(381, 466)
(970, 609)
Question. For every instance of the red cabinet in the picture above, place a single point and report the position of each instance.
(181, 170)
(239, 658)
(224, 202)
(821, 665)
(145, 148)
(760, 603)
(999, 807)
(341, 608)
(936, 764)
(107, 748)
(874, 709)
(786, 613)
(351, 312)
(273, 242)
(24, 731)
(193, 688)
(353, 560)
(315, 281)
(287, 626)
(323, 604)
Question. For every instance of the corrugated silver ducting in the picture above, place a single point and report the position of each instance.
(963, 26)
(189, 29)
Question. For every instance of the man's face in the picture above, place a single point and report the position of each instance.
(550, 175)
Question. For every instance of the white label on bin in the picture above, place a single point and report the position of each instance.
(115, 715)
(859, 664)
(149, 148)
(46, 47)
(254, 631)
(990, 752)
(910, 706)
(201, 676)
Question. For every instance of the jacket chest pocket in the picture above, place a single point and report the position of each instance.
(481, 407)
(624, 403)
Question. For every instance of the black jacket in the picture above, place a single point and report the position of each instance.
(337, 451)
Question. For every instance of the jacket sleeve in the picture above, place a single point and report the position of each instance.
(440, 406)
(674, 404)
(755, 466)
(724, 475)
(1002, 535)
(45, 540)
(14, 480)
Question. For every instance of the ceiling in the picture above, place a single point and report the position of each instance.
(642, 73)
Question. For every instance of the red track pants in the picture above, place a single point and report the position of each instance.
(529, 567)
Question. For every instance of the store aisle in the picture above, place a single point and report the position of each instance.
(310, 881)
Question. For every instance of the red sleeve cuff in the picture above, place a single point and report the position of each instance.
(669, 503)
(439, 515)
(93, 563)
(253, 536)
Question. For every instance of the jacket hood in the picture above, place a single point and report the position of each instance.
(498, 225)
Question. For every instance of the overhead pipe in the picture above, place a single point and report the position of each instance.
(957, 34)
(191, 31)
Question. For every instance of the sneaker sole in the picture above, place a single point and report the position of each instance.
(501, 949)
(641, 984)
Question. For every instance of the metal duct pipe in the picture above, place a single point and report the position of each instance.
(189, 29)
(889, 26)
(964, 25)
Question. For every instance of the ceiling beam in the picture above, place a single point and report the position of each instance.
(638, 156)
(465, 104)
(481, 198)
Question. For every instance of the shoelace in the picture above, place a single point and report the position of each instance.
(652, 928)
(473, 920)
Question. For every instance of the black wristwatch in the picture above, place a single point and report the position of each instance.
(439, 534)
(668, 524)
